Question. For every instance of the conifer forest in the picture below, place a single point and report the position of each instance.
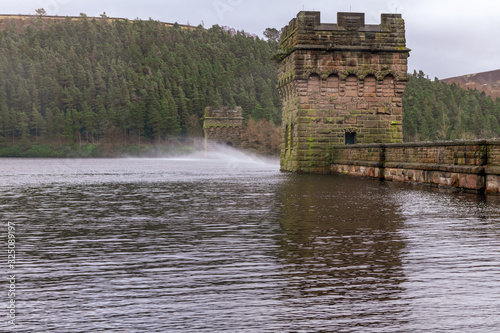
(92, 86)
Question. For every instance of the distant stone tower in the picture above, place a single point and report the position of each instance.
(339, 84)
(223, 126)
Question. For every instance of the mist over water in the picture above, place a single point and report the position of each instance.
(219, 161)
(224, 242)
(229, 155)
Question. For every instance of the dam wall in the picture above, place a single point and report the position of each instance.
(467, 165)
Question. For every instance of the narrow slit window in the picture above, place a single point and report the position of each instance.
(287, 133)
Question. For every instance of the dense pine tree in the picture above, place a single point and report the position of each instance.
(434, 110)
(87, 80)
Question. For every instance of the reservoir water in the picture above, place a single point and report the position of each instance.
(227, 243)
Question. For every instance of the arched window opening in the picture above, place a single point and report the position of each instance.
(313, 86)
(370, 86)
(388, 86)
(351, 86)
(332, 85)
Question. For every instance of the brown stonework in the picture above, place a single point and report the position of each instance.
(468, 165)
(340, 84)
(223, 126)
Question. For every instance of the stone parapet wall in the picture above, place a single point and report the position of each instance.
(494, 154)
(468, 165)
(455, 153)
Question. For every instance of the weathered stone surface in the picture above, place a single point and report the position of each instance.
(469, 165)
(350, 72)
(223, 126)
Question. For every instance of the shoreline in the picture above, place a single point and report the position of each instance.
(93, 150)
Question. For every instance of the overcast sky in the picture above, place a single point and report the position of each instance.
(447, 37)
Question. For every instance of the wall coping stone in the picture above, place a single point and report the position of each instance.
(492, 142)
(482, 178)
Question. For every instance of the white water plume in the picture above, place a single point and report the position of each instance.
(229, 154)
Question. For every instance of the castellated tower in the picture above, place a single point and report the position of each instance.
(339, 84)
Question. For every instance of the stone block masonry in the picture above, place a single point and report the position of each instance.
(339, 84)
(341, 87)
(467, 165)
(223, 126)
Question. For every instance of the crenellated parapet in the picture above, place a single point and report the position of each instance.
(340, 83)
(306, 32)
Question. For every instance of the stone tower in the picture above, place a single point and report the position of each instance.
(223, 126)
(339, 84)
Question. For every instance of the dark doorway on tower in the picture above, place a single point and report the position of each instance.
(350, 138)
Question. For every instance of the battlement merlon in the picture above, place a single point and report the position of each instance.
(306, 32)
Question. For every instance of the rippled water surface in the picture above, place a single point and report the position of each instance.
(227, 243)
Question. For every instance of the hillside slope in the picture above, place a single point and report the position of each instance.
(100, 81)
(489, 82)
(436, 110)
(6, 19)
(92, 80)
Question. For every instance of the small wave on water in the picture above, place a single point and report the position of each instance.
(227, 243)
